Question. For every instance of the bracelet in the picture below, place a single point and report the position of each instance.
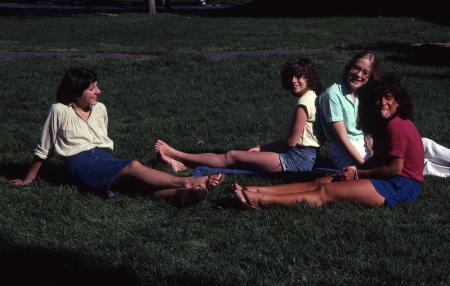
(356, 176)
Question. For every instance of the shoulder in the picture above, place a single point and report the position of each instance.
(401, 126)
(100, 107)
(336, 90)
(58, 108)
(308, 97)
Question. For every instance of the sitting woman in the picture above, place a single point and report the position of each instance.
(338, 107)
(76, 130)
(297, 152)
(391, 176)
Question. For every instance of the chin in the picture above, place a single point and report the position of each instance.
(356, 86)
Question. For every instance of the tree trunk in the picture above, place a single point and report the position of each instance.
(151, 7)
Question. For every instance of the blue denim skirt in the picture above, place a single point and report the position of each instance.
(298, 159)
(94, 169)
(396, 190)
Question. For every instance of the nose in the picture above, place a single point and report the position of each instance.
(360, 73)
(98, 91)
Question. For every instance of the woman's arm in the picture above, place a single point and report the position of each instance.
(49, 133)
(31, 174)
(297, 126)
(392, 168)
(341, 132)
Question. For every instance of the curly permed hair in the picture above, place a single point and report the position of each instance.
(301, 67)
(370, 96)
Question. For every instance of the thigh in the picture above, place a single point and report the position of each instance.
(360, 191)
(266, 161)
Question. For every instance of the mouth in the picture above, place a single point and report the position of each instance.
(357, 79)
(385, 112)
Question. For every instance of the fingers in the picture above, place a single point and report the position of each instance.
(16, 182)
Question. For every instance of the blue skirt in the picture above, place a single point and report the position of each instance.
(396, 190)
(94, 169)
(298, 159)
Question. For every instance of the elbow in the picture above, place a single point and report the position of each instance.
(291, 143)
(394, 171)
(397, 172)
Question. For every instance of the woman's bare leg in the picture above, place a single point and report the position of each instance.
(156, 180)
(265, 161)
(361, 191)
(292, 188)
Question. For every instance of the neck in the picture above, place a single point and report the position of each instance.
(83, 108)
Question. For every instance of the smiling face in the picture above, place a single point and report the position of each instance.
(299, 85)
(89, 96)
(359, 74)
(388, 106)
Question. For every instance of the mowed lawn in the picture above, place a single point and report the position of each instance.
(165, 88)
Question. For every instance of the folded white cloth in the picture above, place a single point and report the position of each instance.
(437, 159)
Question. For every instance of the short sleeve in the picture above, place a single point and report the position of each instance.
(335, 108)
(308, 102)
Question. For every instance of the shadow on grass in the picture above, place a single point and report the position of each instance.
(38, 266)
(49, 172)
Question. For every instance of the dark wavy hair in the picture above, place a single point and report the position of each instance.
(370, 96)
(301, 67)
(73, 83)
(375, 72)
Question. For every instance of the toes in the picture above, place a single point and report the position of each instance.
(239, 195)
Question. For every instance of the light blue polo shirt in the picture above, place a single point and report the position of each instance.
(336, 104)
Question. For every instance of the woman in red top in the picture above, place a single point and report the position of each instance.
(391, 176)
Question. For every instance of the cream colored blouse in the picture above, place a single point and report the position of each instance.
(308, 138)
(67, 134)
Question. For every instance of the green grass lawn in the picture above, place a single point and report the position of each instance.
(53, 234)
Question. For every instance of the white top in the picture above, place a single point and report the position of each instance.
(67, 134)
(308, 138)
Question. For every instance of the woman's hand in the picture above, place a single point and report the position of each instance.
(350, 173)
(257, 148)
(19, 183)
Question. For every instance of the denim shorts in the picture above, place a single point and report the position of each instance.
(340, 156)
(94, 169)
(298, 159)
(396, 190)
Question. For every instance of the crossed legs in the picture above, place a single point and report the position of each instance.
(314, 193)
(162, 185)
(264, 161)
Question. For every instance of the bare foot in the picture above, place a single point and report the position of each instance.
(237, 191)
(252, 198)
(164, 151)
(246, 197)
(207, 182)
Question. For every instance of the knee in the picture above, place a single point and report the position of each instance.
(131, 168)
(231, 157)
(324, 195)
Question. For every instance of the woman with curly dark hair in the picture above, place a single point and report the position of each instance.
(393, 174)
(296, 152)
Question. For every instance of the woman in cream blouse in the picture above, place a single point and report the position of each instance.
(76, 129)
